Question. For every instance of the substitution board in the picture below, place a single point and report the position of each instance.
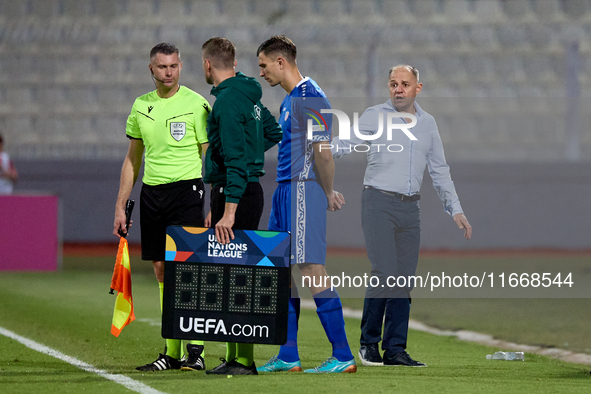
(238, 292)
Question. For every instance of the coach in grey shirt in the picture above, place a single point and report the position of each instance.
(396, 161)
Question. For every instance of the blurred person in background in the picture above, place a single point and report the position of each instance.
(8, 174)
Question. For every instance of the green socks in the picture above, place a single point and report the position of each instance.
(245, 353)
(173, 346)
(230, 351)
(242, 352)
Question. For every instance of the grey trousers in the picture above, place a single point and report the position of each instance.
(392, 230)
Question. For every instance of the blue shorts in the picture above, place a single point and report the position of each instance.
(305, 218)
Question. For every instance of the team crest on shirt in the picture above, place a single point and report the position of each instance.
(257, 112)
(178, 130)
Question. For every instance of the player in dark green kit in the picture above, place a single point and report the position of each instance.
(240, 130)
(169, 125)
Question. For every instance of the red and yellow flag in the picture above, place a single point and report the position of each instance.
(121, 281)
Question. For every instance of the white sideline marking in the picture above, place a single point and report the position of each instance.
(476, 337)
(152, 322)
(120, 379)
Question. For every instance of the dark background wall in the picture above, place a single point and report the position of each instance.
(510, 205)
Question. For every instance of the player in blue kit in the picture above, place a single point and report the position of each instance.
(305, 172)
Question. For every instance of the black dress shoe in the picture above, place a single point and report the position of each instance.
(401, 358)
(370, 355)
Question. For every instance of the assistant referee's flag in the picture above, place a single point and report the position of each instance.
(121, 281)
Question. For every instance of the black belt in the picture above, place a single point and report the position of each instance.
(401, 197)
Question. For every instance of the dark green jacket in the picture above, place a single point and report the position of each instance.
(240, 129)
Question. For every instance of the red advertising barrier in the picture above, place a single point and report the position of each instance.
(29, 233)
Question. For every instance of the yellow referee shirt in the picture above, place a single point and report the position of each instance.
(172, 130)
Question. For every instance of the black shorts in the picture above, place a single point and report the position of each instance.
(250, 207)
(177, 203)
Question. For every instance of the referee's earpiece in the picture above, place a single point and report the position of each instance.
(154, 77)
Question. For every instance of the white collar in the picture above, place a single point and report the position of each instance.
(305, 79)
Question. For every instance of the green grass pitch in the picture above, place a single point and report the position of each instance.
(71, 311)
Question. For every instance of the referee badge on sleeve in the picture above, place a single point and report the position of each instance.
(178, 130)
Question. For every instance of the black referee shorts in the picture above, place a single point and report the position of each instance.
(178, 203)
(250, 207)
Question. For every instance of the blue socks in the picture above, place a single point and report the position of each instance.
(289, 351)
(330, 312)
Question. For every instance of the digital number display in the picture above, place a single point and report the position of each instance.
(187, 286)
(249, 290)
(240, 299)
(265, 293)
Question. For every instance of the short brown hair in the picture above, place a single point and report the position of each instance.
(280, 44)
(220, 51)
(165, 49)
